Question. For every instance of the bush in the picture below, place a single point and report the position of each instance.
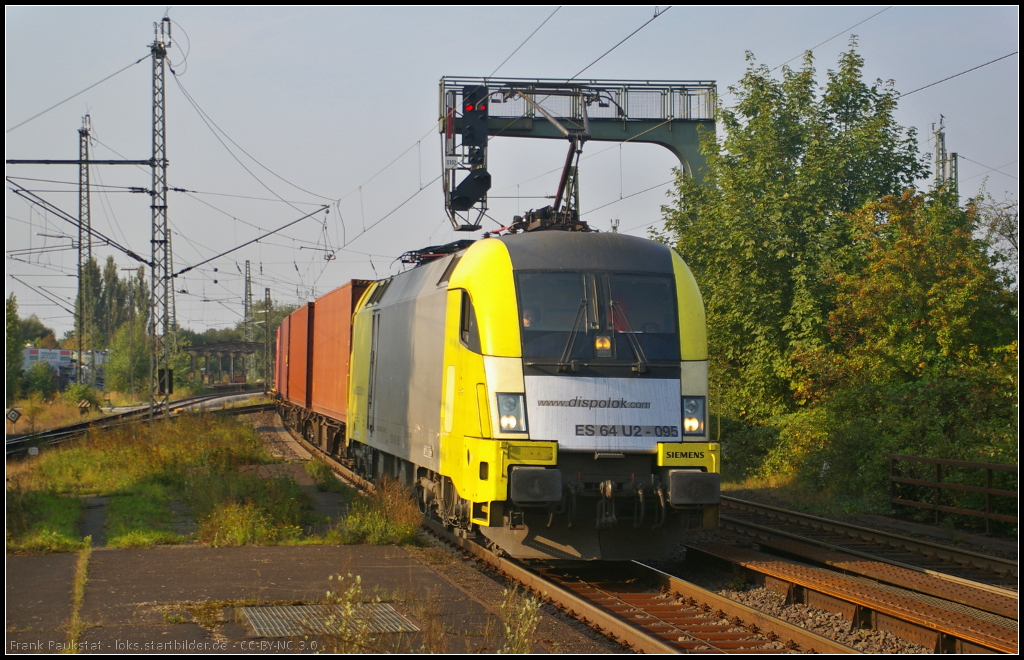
(390, 516)
(79, 392)
(41, 380)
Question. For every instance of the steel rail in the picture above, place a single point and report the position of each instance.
(940, 628)
(629, 634)
(998, 565)
(20, 445)
(615, 627)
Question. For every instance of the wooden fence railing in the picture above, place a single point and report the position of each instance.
(938, 485)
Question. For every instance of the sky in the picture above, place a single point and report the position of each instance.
(339, 106)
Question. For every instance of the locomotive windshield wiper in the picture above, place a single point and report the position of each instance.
(641, 359)
(564, 363)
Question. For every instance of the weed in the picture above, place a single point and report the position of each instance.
(738, 581)
(350, 621)
(520, 613)
(428, 611)
(389, 516)
(325, 480)
(75, 623)
(207, 613)
(140, 518)
(175, 618)
(236, 524)
(42, 521)
(195, 459)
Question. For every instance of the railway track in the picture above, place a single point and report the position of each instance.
(642, 608)
(654, 612)
(20, 446)
(944, 562)
(834, 570)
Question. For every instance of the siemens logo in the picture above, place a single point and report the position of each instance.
(684, 454)
(579, 402)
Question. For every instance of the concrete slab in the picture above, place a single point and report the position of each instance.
(39, 590)
(183, 599)
(38, 601)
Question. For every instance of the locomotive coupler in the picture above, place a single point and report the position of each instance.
(639, 509)
(606, 505)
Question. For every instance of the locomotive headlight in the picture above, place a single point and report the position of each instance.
(694, 414)
(512, 413)
(603, 346)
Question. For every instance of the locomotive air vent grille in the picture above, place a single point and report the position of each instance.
(291, 620)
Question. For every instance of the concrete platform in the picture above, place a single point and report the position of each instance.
(184, 599)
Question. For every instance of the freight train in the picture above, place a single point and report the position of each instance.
(544, 392)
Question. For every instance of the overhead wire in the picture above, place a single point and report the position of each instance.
(524, 41)
(56, 105)
(836, 35)
(975, 68)
(628, 37)
(990, 169)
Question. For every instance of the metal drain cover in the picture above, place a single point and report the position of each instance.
(292, 620)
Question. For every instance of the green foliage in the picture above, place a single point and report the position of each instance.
(763, 234)
(520, 614)
(41, 521)
(847, 317)
(127, 370)
(34, 332)
(140, 517)
(13, 345)
(325, 480)
(350, 618)
(390, 516)
(923, 357)
(40, 380)
(79, 391)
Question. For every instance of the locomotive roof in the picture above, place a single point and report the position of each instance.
(563, 250)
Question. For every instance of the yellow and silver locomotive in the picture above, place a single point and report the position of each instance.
(544, 390)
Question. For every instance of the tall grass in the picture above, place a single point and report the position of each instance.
(195, 459)
(389, 516)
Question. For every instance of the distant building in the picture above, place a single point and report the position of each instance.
(55, 357)
(65, 364)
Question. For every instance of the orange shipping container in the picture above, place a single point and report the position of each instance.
(300, 355)
(281, 369)
(332, 337)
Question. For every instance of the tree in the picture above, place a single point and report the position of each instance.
(999, 220)
(128, 367)
(13, 345)
(40, 379)
(113, 304)
(34, 332)
(923, 352)
(926, 299)
(763, 233)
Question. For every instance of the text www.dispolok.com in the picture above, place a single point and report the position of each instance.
(580, 402)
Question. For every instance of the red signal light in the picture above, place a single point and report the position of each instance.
(469, 107)
(483, 107)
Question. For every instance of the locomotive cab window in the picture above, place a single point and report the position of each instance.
(644, 306)
(553, 306)
(469, 332)
(598, 315)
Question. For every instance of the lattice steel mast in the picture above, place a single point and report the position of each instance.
(84, 241)
(161, 378)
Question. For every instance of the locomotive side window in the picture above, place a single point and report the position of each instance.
(551, 304)
(469, 332)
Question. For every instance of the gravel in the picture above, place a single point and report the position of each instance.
(824, 623)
